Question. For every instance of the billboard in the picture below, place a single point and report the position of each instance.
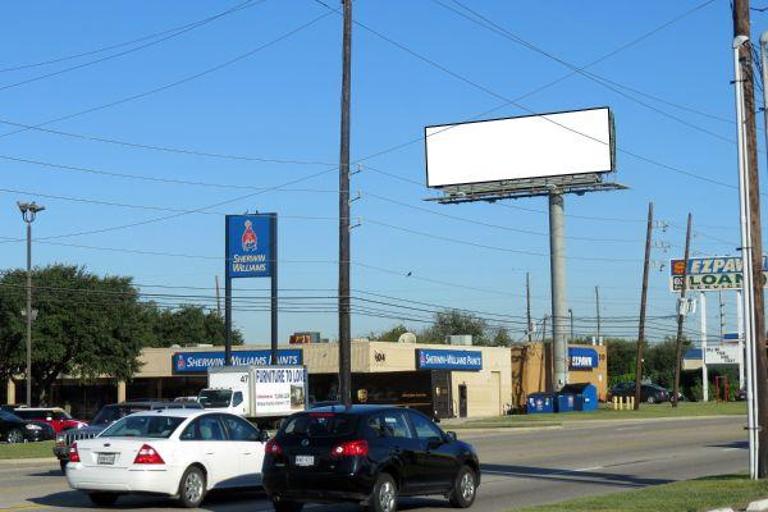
(715, 273)
(199, 362)
(518, 148)
(249, 245)
(459, 360)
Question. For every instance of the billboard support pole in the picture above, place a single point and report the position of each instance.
(559, 301)
(704, 371)
(273, 279)
(740, 330)
(227, 299)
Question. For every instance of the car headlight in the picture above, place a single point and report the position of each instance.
(61, 439)
(33, 427)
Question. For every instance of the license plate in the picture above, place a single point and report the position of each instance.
(107, 459)
(305, 460)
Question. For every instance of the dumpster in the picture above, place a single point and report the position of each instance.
(585, 393)
(566, 402)
(540, 403)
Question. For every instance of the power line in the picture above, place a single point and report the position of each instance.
(184, 30)
(175, 83)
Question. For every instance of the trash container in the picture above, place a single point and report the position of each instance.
(585, 394)
(540, 403)
(566, 402)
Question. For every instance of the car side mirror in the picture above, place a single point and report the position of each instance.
(434, 442)
(451, 436)
(263, 436)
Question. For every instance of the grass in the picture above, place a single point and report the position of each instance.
(26, 450)
(688, 496)
(685, 409)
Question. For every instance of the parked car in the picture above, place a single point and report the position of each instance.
(649, 393)
(172, 452)
(104, 418)
(16, 430)
(56, 417)
(366, 454)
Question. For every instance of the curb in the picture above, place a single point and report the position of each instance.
(459, 425)
(19, 462)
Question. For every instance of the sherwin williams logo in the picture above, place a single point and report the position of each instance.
(249, 240)
(180, 363)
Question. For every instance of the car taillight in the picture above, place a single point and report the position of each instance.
(74, 456)
(272, 448)
(350, 449)
(148, 455)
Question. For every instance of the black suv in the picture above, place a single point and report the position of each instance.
(649, 393)
(106, 416)
(366, 454)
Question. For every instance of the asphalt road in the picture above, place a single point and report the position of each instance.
(519, 468)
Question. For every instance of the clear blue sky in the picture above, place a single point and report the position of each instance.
(282, 103)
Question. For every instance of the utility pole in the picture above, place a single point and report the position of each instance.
(682, 306)
(643, 309)
(754, 246)
(704, 369)
(722, 315)
(345, 327)
(597, 308)
(559, 301)
(29, 212)
(528, 305)
(218, 295)
(570, 316)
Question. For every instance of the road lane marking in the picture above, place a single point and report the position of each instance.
(591, 468)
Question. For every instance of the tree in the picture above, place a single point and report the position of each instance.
(189, 325)
(453, 322)
(501, 337)
(86, 325)
(392, 334)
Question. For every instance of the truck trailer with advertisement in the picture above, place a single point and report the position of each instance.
(260, 393)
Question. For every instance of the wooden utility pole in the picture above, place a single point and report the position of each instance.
(643, 309)
(345, 336)
(528, 305)
(741, 26)
(681, 315)
(597, 307)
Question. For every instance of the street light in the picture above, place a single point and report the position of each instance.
(29, 212)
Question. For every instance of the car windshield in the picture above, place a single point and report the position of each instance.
(320, 424)
(215, 397)
(157, 427)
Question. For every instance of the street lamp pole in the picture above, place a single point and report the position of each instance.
(29, 212)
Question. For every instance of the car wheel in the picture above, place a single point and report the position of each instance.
(384, 495)
(103, 499)
(63, 464)
(287, 506)
(464, 488)
(15, 436)
(650, 399)
(192, 487)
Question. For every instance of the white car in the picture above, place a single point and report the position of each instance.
(183, 453)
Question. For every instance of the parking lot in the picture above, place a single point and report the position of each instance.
(521, 467)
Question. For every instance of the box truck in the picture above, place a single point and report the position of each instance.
(256, 392)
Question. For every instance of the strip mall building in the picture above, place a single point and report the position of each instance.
(465, 381)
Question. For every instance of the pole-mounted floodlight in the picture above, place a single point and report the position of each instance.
(29, 212)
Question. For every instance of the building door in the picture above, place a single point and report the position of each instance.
(462, 400)
(442, 401)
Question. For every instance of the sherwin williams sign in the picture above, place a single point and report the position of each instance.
(249, 247)
(582, 358)
(710, 273)
(199, 362)
(459, 360)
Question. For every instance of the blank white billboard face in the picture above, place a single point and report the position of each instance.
(515, 148)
